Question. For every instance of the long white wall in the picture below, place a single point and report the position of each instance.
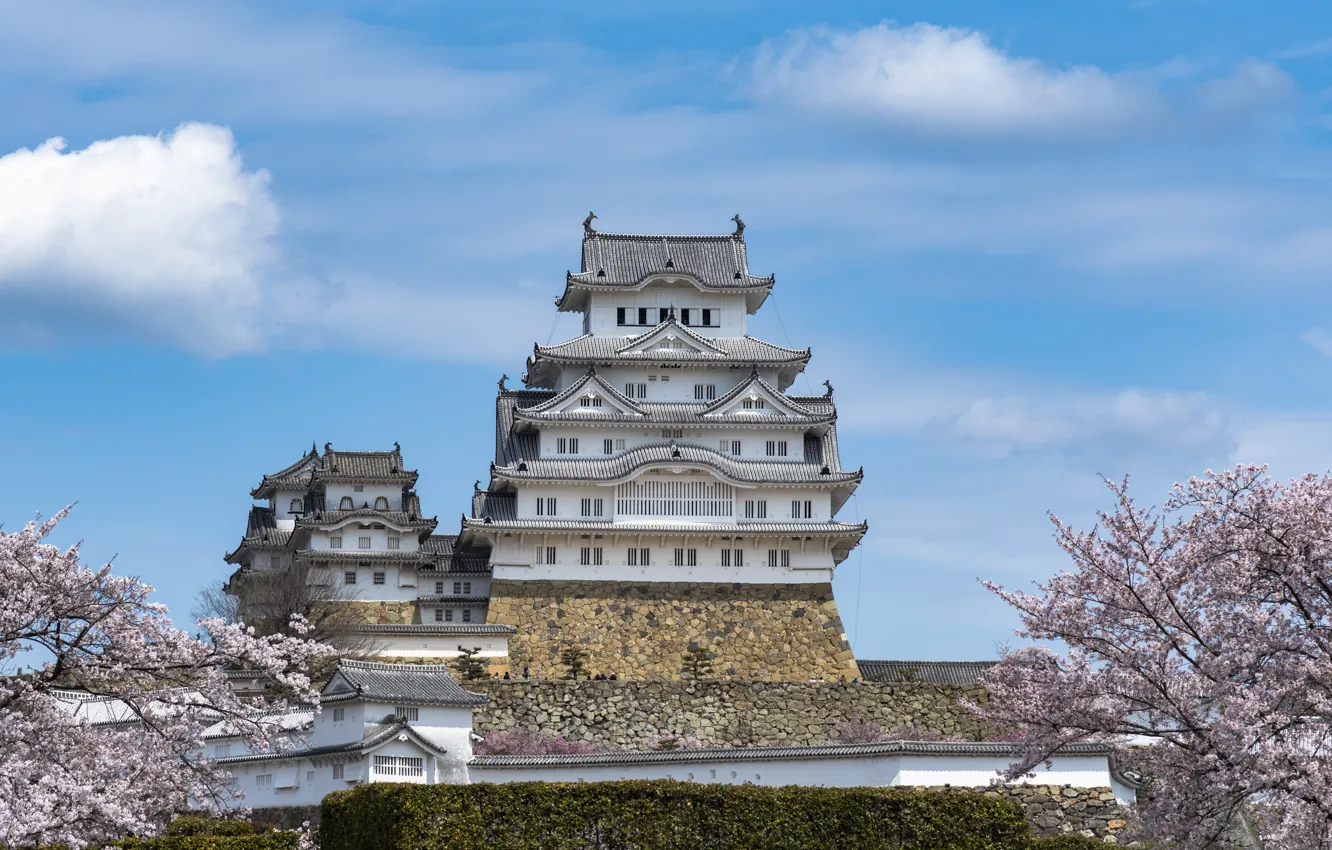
(601, 316)
(753, 440)
(428, 646)
(568, 500)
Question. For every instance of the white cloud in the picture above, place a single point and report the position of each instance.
(168, 232)
(949, 81)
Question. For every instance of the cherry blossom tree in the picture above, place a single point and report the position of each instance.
(1199, 637)
(101, 729)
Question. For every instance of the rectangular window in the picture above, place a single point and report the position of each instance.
(545, 507)
(467, 615)
(739, 558)
(684, 316)
(264, 780)
(619, 315)
(786, 557)
(590, 401)
(779, 557)
(809, 509)
(726, 557)
(733, 557)
(619, 445)
(349, 577)
(407, 712)
(754, 404)
(399, 766)
(339, 714)
(567, 445)
(639, 557)
(359, 488)
(663, 313)
(439, 615)
(335, 542)
(635, 391)
(691, 557)
(705, 392)
(363, 542)
(591, 556)
(592, 507)
(337, 771)
(607, 446)
(735, 447)
(448, 615)
(457, 588)
(672, 433)
(439, 588)
(642, 315)
(545, 555)
(772, 557)
(222, 751)
(679, 557)
(467, 588)
(379, 577)
(756, 509)
(394, 542)
(707, 317)
(776, 448)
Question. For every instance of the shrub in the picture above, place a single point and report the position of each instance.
(664, 815)
(194, 832)
(199, 825)
(521, 741)
(1068, 842)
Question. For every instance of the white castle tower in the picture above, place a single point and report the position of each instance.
(654, 489)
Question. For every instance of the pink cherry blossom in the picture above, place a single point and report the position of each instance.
(101, 736)
(1199, 637)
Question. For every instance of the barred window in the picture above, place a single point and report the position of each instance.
(779, 557)
(381, 503)
(363, 542)
(264, 780)
(467, 615)
(754, 404)
(379, 577)
(399, 766)
(607, 446)
(335, 542)
(705, 392)
(545, 555)
(439, 615)
(675, 499)
(756, 509)
(339, 714)
(590, 556)
(639, 557)
(448, 615)
(672, 433)
(545, 507)
(349, 577)
(776, 448)
(338, 771)
(394, 542)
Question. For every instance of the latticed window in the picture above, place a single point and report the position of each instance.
(705, 392)
(635, 390)
(756, 509)
(779, 557)
(545, 555)
(590, 556)
(407, 712)
(686, 557)
(590, 401)
(399, 766)
(672, 433)
(592, 507)
(675, 499)
(567, 445)
(381, 503)
(345, 504)
(638, 557)
(776, 448)
(545, 507)
(394, 542)
(379, 577)
(607, 446)
(754, 404)
(733, 557)
(363, 542)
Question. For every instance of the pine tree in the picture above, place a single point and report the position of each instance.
(573, 658)
(469, 667)
(697, 663)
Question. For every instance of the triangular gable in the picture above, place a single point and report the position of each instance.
(756, 397)
(339, 685)
(590, 385)
(670, 338)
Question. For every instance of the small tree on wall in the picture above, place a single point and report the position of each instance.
(697, 663)
(573, 660)
(470, 668)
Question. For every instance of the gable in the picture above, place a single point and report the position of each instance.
(671, 339)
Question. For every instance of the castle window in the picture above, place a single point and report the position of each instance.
(448, 615)
(439, 615)
(264, 780)
(467, 615)
(707, 317)
(753, 404)
(756, 509)
(802, 510)
(731, 447)
(663, 313)
(358, 488)
(619, 316)
(635, 390)
(592, 507)
(379, 577)
(399, 766)
(590, 401)
(439, 588)
(394, 542)
(684, 316)
(363, 543)
(407, 712)
(607, 446)
(619, 445)
(349, 577)
(643, 315)
(672, 433)
(590, 556)
(733, 557)
(638, 557)
(338, 771)
(776, 448)
(567, 445)
(779, 557)
(346, 504)
(335, 542)
(675, 499)
(705, 392)
(545, 507)
(381, 503)
(545, 555)
(297, 506)
(686, 557)
(222, 751)
(339, 714)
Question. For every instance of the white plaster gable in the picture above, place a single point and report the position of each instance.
(740, 401)
(671, 338)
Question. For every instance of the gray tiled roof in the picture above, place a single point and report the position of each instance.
(347, 556)
(400, 519)
(599, 348)
(590, 381)
(824, 751)
(625, 259)
(620, 466)
(364, 466)
(455, 600)
(376, 734)
(294, 477)
(501, 507)
(430, 684)
(435, 629)
(261, 532)
(447, 558)
(932, 672)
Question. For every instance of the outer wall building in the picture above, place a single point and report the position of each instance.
(654, 489)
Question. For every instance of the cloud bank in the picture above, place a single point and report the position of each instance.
(948, 81)
(169, 233)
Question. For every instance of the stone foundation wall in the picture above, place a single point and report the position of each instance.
(385, 613)
(628, 714)
(759, 632)
(1062, 810)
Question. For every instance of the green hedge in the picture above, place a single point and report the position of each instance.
(1068, 842)
(664, 815)
(199, 833)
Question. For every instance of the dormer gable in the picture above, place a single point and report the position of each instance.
(670, 338)
(757, 398)
(589, 396)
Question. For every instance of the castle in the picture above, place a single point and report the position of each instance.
(654, 490)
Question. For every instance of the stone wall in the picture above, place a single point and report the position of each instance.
(627, 714)
(759, 632)
(1061, 810)
(386, 612)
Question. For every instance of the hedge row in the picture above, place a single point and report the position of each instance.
(199, 833)
(665, 815)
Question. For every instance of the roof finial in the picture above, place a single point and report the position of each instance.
(501, 381)
(753, 371)
(672, 313)
(328, 447)
(739, 226)
(828, 384)
(587, 224)
(476, 485)
(396, 447)
(314, 449)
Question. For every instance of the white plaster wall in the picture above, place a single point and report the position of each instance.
(711, 573)
(401, 582)
(281, 504)
(427, 646)
(602, 306)
(352, 530)
(328, 731)
(682, 376)
(333, 494)
(568, 500)
(480, 585)
(753, 441)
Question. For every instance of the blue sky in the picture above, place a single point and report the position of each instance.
(1030, 244)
